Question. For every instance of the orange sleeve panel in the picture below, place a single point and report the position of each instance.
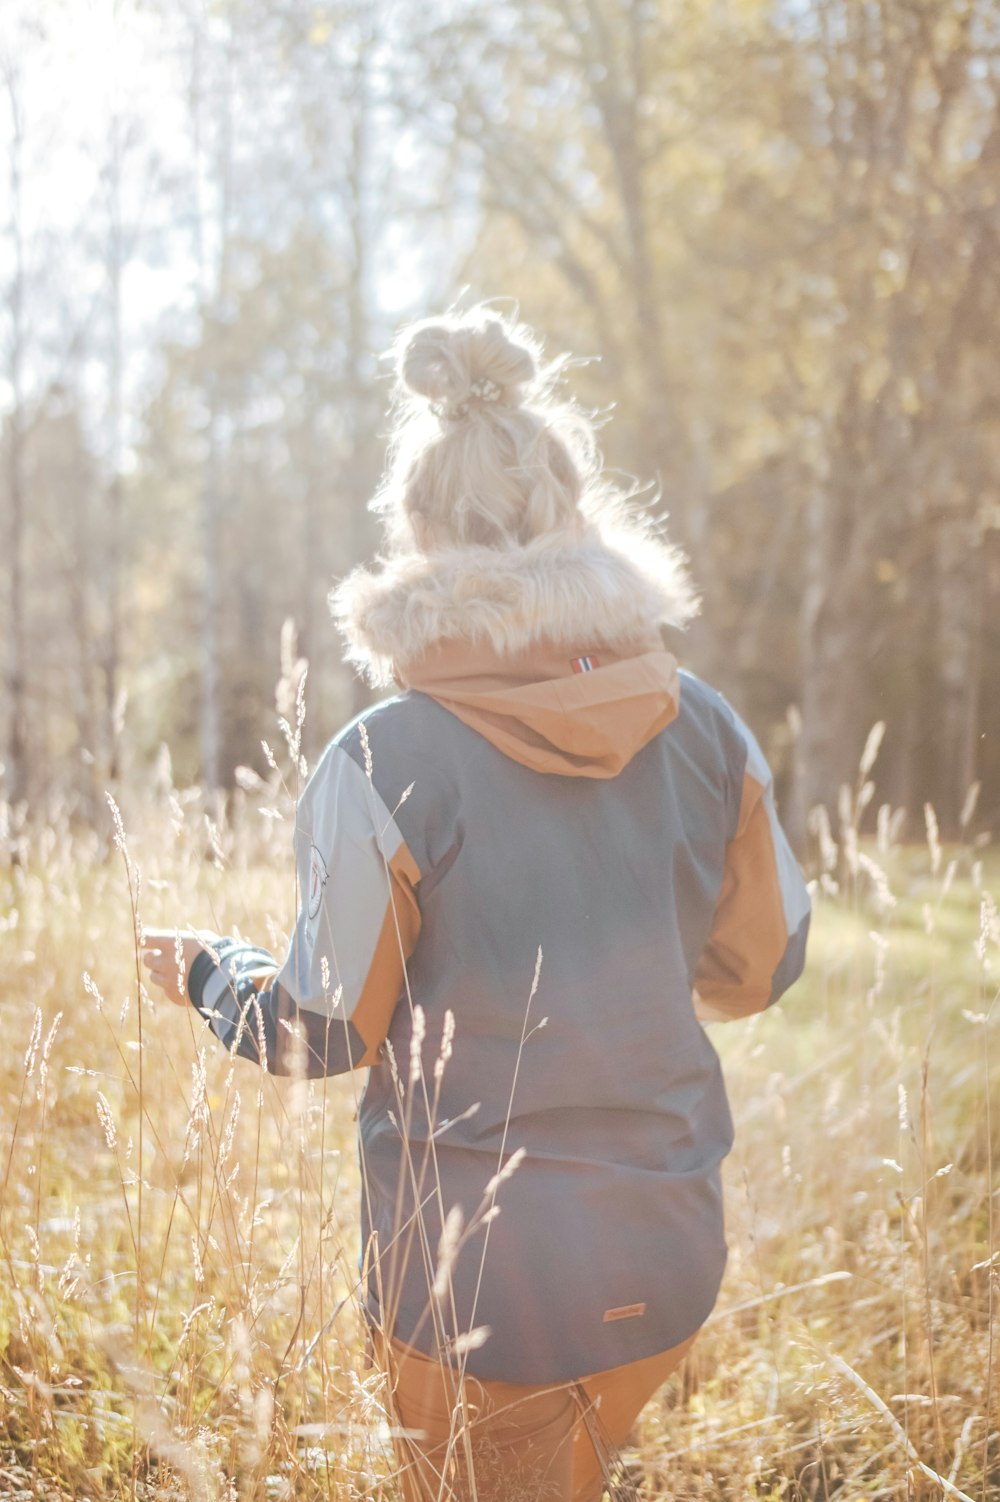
(344, 1038)
(256, 1016)
(749, 932)
(387, 971)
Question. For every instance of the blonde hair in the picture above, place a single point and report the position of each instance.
(482, 452)
(501, 526)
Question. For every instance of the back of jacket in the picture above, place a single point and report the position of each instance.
(563, 921)
(522, 881)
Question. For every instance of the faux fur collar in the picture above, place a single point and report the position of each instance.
(605, 588)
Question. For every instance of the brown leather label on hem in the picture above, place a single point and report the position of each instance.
(626, 1311)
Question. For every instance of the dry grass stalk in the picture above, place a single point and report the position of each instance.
(866, 1228)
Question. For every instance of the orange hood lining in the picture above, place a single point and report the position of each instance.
(540, 711)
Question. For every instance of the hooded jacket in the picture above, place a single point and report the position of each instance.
(519, 876)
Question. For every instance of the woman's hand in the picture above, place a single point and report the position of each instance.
(168, 954)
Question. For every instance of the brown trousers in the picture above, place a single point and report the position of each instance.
(518, 1444)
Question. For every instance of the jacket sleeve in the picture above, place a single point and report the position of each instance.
(327, 1008)
(757, 945)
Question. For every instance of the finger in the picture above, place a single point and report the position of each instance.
(165, 938)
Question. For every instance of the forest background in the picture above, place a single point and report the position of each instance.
(770, 227)
(770, 232)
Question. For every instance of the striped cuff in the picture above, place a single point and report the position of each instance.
(198, 976)
(218, 969)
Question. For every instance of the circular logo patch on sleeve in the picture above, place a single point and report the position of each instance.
(318, 878)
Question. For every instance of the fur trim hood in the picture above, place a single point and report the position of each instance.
(608, 587)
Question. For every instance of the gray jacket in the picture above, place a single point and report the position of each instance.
(518, 881)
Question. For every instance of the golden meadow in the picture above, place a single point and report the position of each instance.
(179, 1300)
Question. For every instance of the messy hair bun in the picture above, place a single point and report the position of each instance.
(482, 452)
(494, 497)
(453, 362)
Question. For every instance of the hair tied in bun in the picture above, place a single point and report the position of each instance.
(480, 392)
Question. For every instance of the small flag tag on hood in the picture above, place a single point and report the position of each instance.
(555, 713)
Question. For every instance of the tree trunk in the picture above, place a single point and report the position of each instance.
(17, 740)
(833, 654)
(958, 566)
(214, 289)
(358, 303)
(111, 658)
(16, 677)
(210, 732)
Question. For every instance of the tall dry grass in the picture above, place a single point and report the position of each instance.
(179, 1301)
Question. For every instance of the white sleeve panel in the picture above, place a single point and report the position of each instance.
(345, 837)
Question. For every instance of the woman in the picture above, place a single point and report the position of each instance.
(524, 877)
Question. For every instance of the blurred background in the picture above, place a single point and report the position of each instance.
(770, 227)
(770, 232)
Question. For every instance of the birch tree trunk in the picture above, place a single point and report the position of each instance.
(15, 656)
(112, 556)
(358, 297)
(213, 269)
